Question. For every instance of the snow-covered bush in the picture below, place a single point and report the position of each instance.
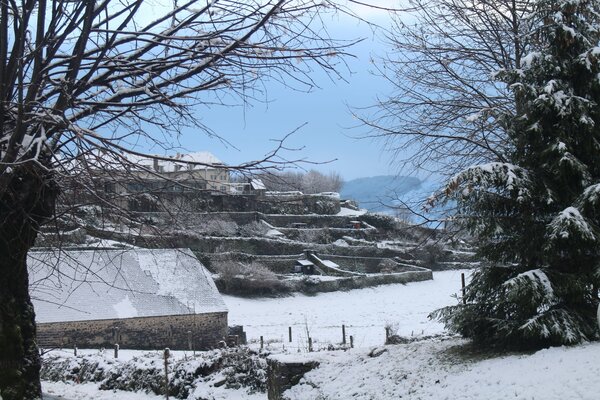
(252, 279)
(253, 229)
(235, 368)
(381, 221)
(218, 227)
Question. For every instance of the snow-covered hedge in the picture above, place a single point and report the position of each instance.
(189, 377)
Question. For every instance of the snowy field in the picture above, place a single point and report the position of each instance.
(365, 312)
(432, 371)
(425, 370)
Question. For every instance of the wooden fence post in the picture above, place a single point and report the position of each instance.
(262, 342)
(351, 342)
(290, 333)
(343, 334)
(75, 349)
(116, 350)
(462, 280)
(166, 355)
(310, 347)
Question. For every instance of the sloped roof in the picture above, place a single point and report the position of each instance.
(79, 285)
(257, 184)
(107, 161)
(208, 160)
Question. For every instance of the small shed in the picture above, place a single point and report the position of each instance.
(138, 298)
(355, 224)
(305, 267)
(257, 185)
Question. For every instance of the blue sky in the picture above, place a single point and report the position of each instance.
(327, 132)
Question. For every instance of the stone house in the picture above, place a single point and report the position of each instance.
(156, 181)
(210, 173)
(145, 184)
(138, 298)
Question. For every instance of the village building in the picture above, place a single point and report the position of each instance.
(194, 182)
(137, 298)
(201, 170)
(146, 183)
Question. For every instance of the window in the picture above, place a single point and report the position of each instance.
(133, 187)
(109, 187)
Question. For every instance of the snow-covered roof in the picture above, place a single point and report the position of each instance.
(207, 160)
(257, 184)
(103, 160)
(79, 285)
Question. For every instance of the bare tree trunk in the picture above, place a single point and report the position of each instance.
(28, 202)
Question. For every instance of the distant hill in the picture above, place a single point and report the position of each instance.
(377, 193)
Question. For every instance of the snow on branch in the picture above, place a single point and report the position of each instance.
(590, 58)
(535, 282)
(555, 323)
(589, 202)
(503, 178)
(569, 223)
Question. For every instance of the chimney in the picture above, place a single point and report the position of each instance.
(155, 160)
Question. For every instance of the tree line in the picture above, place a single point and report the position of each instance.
(308, 182)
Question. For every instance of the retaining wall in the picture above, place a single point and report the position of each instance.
(309, 285)
(283, 375)
(144, 333)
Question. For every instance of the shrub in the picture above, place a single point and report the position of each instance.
(253, 229)
(384, 222)
(219, 227)
(248, 279)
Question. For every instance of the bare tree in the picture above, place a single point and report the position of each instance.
(308, 182)
(317, 182)
(95, 78)
(443, 113)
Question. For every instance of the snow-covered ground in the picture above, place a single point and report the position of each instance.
(435, 369)
(89, 391)
(365, 312)
(345, 212)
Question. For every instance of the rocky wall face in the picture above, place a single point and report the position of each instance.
(177, 332)
(283, 375)
(311, 221)
(309, 204)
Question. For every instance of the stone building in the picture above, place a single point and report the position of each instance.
(144, 184)
(155, 181)
(138, 298)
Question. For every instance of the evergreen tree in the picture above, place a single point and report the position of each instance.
(537, 218)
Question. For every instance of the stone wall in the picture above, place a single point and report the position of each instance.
(299, 204)
(310, 285)
(144, 333)
(280, 264)
(197, 218)
(312, 221)
(282, 375)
